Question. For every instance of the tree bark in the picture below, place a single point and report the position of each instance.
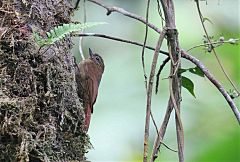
(41, 117)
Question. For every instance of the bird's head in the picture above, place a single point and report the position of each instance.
(96, 58)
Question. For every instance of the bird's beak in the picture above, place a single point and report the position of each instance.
(90, 53)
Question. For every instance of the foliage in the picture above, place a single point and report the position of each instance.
(62, 31)
(186, 82)
(196, 70)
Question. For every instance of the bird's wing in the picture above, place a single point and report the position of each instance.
(92, 90)
(92, 84)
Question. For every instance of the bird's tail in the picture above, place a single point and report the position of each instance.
(88, 111)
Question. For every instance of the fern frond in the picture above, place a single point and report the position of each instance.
(60, 32)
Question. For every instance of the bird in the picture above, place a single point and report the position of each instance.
(88, 77)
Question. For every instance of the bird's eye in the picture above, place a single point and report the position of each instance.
(97, 58)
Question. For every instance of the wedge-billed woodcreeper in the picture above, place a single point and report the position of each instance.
(88, 77)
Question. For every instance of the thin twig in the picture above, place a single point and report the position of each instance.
(149, 93)
(175, 94)
(154, 121)
(208, 44)
(160, 12)
(214, 51)
(161, 132)
(159, 72)
(117, 39)
(143, 62)
(80, 44)
(76, 5)
(156, 128)
(144, 44)
(179, 127)
(126, 13)
(186, 56)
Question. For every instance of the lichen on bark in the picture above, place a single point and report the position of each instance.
(41, 117)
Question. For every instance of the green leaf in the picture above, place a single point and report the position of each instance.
(59, 32)
(188, 84)
(197, 71)
(180, 71)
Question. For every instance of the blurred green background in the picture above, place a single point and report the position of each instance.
(212, 133)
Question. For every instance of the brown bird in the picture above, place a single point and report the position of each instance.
(88, 78)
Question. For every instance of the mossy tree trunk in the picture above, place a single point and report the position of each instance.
(41, 118)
